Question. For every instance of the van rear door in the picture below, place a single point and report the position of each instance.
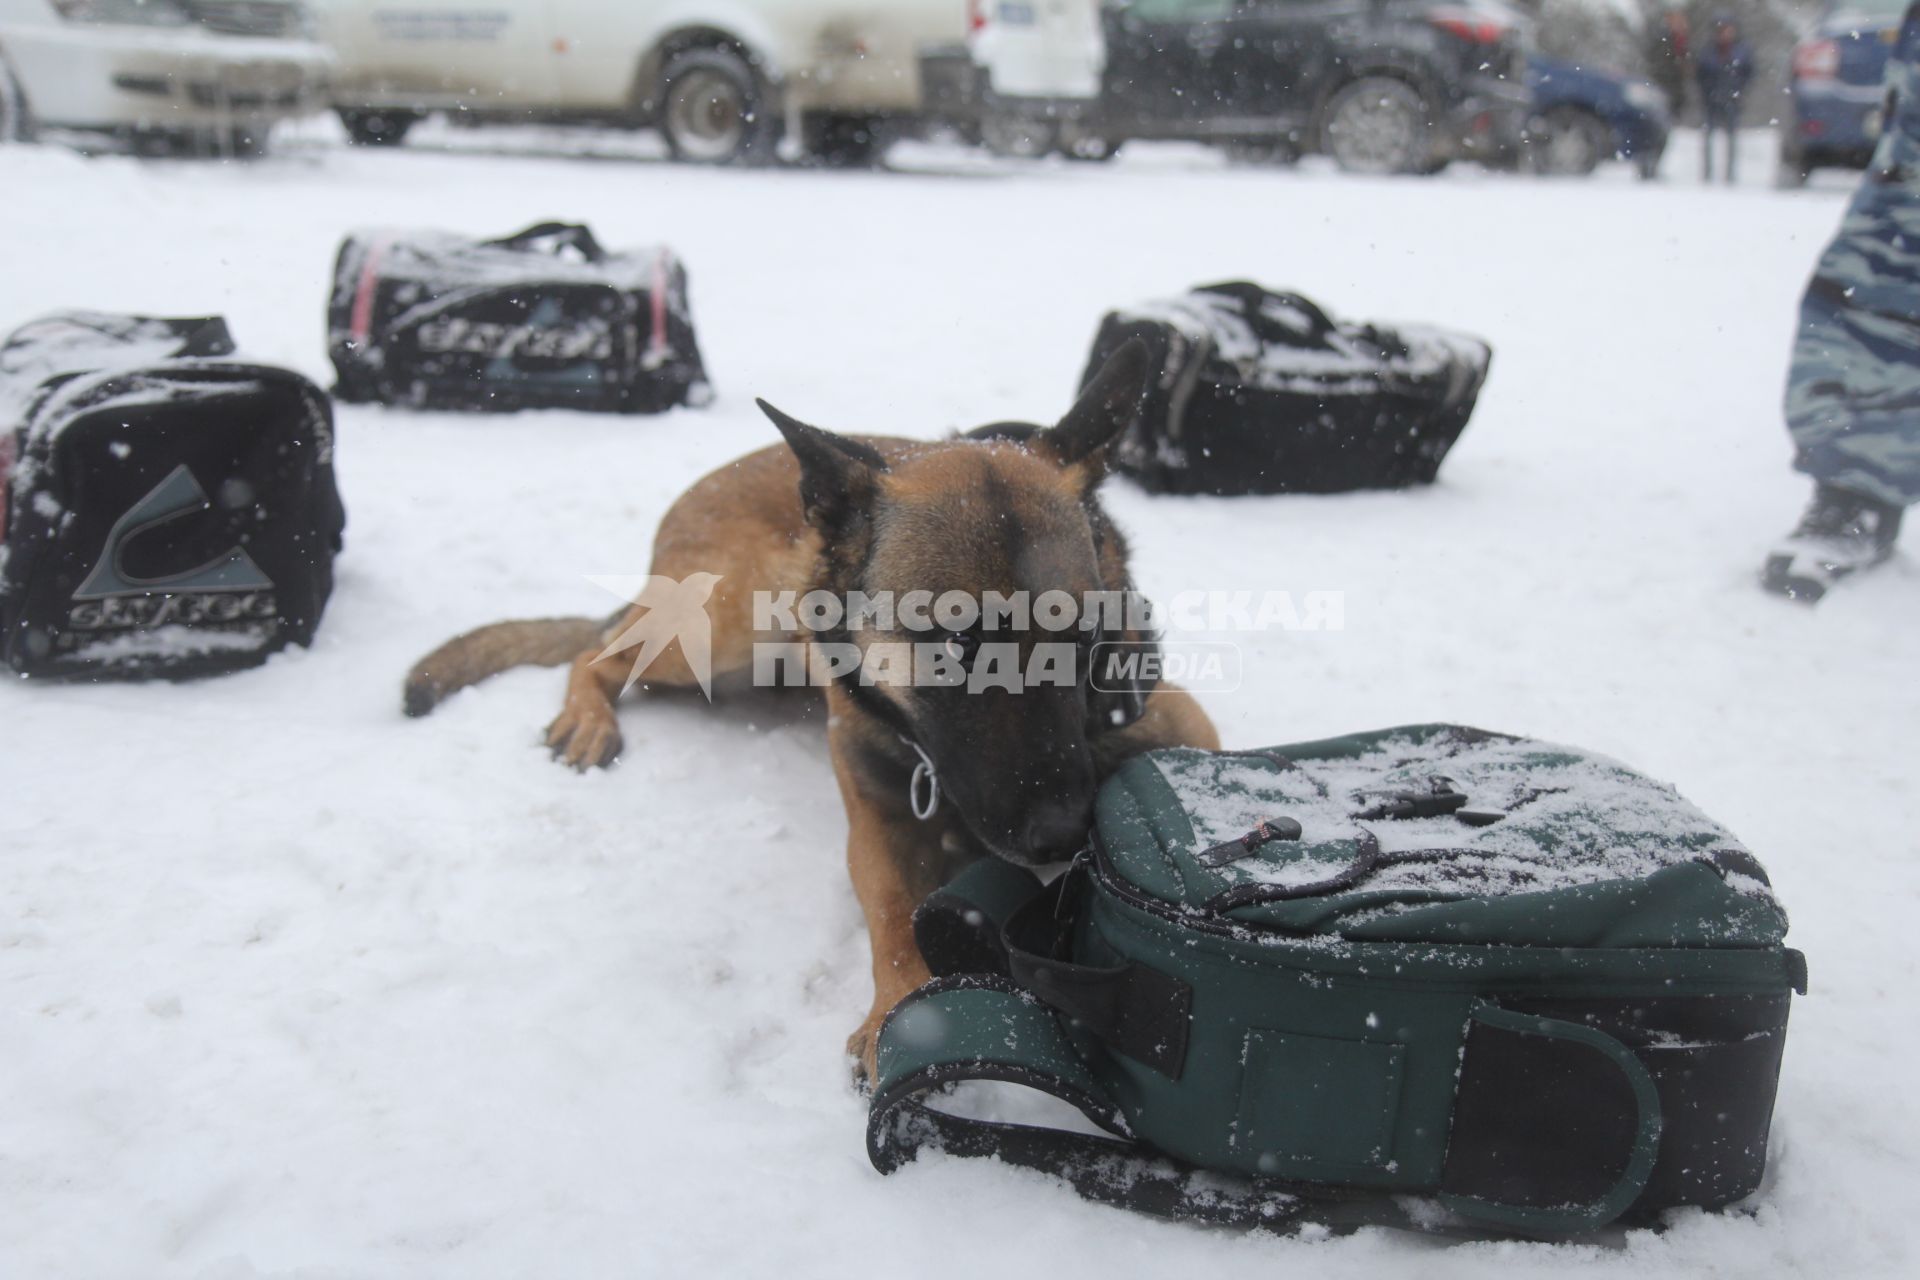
(1049, 49)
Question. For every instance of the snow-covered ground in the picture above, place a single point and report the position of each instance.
(292, 985)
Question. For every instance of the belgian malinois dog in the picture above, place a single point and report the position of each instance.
(1010, 509)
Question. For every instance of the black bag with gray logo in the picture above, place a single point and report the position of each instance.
(164, 510)
(542, 319)
(1263, 392)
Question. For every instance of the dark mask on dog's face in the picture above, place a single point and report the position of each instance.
(1008, 728)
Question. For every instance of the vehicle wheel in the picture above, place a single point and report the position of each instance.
(162, 144)
(712, 109)
(1378, 124)
(1090, 150)
(247, 142)
(1572, 143)
(1259, 153)
(844, 142)
(378, 128)
(1020, 139)
(16, 122)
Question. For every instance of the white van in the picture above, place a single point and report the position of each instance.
(722, 80)
(1038, 49)
(1027, 78)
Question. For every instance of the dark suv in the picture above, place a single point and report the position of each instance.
(1383, 86)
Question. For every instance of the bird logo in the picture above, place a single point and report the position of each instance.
(675, 611)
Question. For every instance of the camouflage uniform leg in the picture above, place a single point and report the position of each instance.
(1853, 393)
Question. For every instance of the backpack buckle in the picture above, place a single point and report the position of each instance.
(1269, 830)
(1439, 799)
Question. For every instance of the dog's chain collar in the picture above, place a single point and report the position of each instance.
(925, 780)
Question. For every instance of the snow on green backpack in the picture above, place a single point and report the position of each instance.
(1431, 976)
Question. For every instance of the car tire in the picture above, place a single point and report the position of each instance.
(844, 142)
(1251, 154)
(1018, 138)
(1378, 125)
(16, 121)
(714, 109)
(247, 142)
(1089, 149)
(378, 128)
(1572, 144)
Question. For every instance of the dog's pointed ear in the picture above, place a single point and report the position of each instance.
(1106, 408)
(837, 476)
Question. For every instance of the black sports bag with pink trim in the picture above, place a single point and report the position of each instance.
(541, 319)
(1256, 391)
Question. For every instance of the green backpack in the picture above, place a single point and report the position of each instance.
(1430, 975)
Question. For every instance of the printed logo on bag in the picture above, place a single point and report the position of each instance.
(452, 335)
(228, 588)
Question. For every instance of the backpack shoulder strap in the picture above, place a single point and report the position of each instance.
(996, 918)
(984, 1028)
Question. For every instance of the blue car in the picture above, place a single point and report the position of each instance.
(1836, 88)
(1582, 115)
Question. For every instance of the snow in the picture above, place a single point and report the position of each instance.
(68, 342)
(174, 641)
(124, 387)
(444, 260)
(1414, 352)
(295, 986)
(1598, 819)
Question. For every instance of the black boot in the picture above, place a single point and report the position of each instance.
(1841, 533)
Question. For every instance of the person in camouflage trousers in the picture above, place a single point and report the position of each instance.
(1853, 391)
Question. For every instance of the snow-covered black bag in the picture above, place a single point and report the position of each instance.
(542, 319)
(164, 510)
(1263, 392)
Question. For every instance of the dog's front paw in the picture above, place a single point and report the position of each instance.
(863, 1046)
(584, 740)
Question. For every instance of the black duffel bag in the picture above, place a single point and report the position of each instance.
(1263, 392)
(541, 319)
(164, 510)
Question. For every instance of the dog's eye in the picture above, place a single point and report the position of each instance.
(960, 645)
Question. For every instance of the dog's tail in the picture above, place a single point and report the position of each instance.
(471, 658)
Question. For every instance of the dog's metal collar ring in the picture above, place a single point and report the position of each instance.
(923, 790)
